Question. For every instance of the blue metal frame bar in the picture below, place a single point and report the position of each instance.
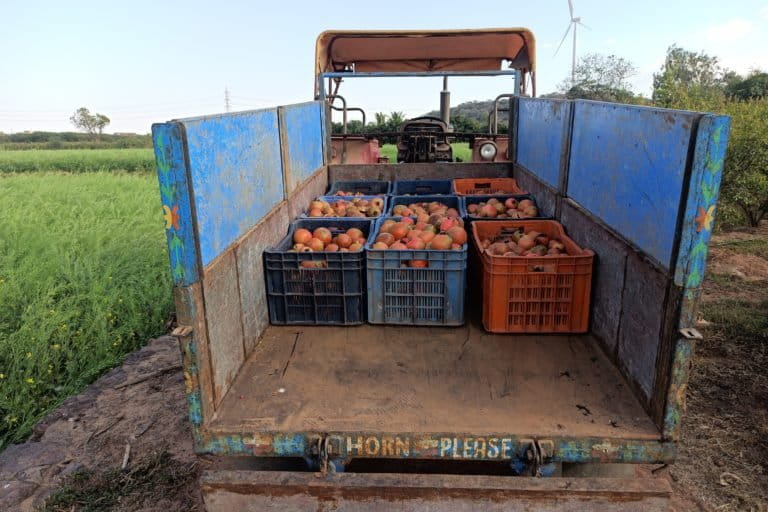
(383, 74)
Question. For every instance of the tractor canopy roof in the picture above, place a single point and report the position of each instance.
(425, 50)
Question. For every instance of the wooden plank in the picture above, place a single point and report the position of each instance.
(373, 378)
(250, 271)
(406, 171)
(608, 274)
(627, 167)
(700, 205)
(642, 322)
(177, 205)
(224, 491)
(198, 377)
(236, 175)
(223, 316)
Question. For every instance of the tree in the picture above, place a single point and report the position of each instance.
(600, 77)
(688, 79)
(755, 86)
(745, 176)
(82, 119)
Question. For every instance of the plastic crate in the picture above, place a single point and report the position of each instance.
(316, 296)
(534, 295)
(450, 201)
(422, 188)
(330, 199)
(468, 200)
(397, 294)
(486, 186)
(366, 188)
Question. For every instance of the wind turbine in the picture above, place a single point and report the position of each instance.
(575, 20)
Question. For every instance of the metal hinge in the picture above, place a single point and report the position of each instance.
(537, 456)
(690, 333)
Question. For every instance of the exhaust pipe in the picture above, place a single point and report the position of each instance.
(445, 103)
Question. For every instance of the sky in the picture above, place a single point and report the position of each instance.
(141, 62)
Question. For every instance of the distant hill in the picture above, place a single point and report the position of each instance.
(472, 116)
(475, 110)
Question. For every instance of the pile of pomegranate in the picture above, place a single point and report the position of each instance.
(424, 208)
(509, 208)
(356, 207)
(528, 243)
(435, 232)
(322, 240)
(344, 193)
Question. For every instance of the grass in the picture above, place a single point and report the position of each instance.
(83, 281)
(754, 246)
(77, 160)
(460, 150)
(144, 483)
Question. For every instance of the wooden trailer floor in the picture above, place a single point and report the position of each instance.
(419, 379)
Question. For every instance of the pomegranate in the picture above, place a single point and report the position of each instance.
(526, 242)
(511, 203)
(323, 234)
(387, 225)
(302, 236)
(441, 243)
(385, 238)
(355, 234)
(398, 246)
(447, 224)
(418, 263)
(331, 248)
(316, 245)
(457, 234)
(427, 236)
(356, 246)
(380, 246)
(488, 211)
(416, 244)
(399, 230)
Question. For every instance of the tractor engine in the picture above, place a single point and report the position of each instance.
(424, 139)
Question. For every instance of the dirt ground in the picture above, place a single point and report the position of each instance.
(73, 460)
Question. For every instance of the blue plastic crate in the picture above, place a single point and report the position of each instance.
(468, 200)
(317, 296)
(398, 294)
(366, 188)
(331, 199)
(422, 188)
(451, 201)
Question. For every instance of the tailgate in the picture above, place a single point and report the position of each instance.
(251, 491)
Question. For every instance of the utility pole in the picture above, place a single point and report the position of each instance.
(226, 99)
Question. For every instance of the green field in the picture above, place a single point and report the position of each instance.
(78, 160)
(460, 150)
(83, 281)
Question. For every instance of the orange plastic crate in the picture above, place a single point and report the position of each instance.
(534, 295)
(486, 186)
